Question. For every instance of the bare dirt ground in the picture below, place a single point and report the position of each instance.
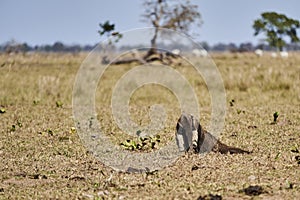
(42, 157)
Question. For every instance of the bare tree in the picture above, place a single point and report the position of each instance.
(170, 14)
(177, 15)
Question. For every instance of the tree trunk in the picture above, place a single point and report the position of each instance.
(153, 49)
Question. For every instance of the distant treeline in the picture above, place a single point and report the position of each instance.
(60, 47)
(56, 47)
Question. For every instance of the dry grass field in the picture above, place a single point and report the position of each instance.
(42, 157)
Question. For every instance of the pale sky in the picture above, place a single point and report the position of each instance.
(76, 21)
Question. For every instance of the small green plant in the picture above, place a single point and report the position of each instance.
(297, 158)
(46, 131)
(277, 156)
(72, 130)
(239, 111)
(295, 149)
(36, 101)
(143, 143)
(63, 138)
(231, 103)
(275, 117)
(50, 132)
(289, 185)
(13, 128)
(19, 123)
(59, 104)
(130, 145)
(2, 110)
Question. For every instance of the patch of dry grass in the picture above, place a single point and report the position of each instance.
(41, 157)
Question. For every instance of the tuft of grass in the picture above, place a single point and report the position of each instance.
(2, 110)
(47, 132)
(59, 104)
(36, 101)
(13, 128)
(143, 143)
(275, 117)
